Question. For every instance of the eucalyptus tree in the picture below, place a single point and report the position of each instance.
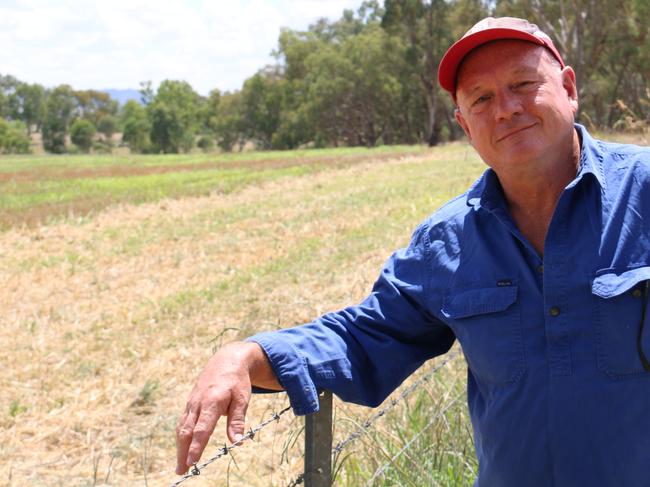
(59, 113)
(174, 117)
(135, 126)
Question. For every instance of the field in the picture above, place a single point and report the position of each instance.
(120, 275)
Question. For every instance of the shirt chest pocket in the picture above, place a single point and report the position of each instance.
(622, 330)
(486, 320)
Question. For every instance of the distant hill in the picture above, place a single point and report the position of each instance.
(122, 96)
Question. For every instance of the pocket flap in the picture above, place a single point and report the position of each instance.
(608, 283)
(479, 301)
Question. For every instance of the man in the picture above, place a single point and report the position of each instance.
(539, 270)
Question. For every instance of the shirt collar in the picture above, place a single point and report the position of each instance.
(486, 192)
(591, 158)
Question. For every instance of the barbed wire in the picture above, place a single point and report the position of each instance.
(298, 480)
(224, 450)
(382, 469)
(341, 445)
(392, 403)
(361, 429)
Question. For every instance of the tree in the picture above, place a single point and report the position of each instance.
(261, 105)
(60, 108)
(174, 117)
(425, 26)
(209, 111)
(146, 92)
(8, 86)
(3, 104)
(29, 105)
(107, 126)
(228, 122)
(295, 127)
(342, 83)
(354, 92)
(135, 127)
(94, 105)
(82, 133)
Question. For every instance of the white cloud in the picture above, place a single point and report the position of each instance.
(118, 43)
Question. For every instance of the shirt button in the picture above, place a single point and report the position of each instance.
(637, 293)
(540, 269)
(554, 311)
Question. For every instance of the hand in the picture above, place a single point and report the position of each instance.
(222, 389)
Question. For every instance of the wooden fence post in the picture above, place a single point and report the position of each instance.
(318, 444)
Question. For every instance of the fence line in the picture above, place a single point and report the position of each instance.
(392, 403)
(318, 460)
(382, 469)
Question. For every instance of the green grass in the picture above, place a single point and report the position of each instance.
(135, 189)
(17, 163)
(424, 441)
(55, 187)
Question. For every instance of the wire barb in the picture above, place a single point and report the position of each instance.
(225, 450)
(298, 480)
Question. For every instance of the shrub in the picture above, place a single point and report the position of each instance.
(82, 133)
(205, 143)
(13, 138)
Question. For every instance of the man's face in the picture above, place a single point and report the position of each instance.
(516, 106)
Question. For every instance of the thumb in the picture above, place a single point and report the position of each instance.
(237, 418)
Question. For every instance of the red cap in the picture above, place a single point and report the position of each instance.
(489, 29)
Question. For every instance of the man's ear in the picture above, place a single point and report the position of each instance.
(461, 121)
(569, 84)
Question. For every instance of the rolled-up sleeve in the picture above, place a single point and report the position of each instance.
(363, 352)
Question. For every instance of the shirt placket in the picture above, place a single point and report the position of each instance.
(555, 283)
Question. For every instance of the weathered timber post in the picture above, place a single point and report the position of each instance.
(318, 444)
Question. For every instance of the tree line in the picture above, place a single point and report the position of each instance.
(365, 79)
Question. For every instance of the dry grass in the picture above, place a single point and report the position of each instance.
(106, 324)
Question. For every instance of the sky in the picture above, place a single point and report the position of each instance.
(116, 44)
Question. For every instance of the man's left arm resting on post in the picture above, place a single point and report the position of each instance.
(363, 352)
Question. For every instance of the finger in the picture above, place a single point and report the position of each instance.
(184, 431)
(237, 418)
(201, 434)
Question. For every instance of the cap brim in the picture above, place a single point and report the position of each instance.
(454, 56)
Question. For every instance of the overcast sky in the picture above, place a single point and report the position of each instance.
(118, 43)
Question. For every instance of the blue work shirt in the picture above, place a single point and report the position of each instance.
(556, 389)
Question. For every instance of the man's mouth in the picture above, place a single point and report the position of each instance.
(513, 132)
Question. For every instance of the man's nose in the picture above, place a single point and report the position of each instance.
(507, 105)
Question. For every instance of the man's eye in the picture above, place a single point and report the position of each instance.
(523, 84)
(480, 100)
